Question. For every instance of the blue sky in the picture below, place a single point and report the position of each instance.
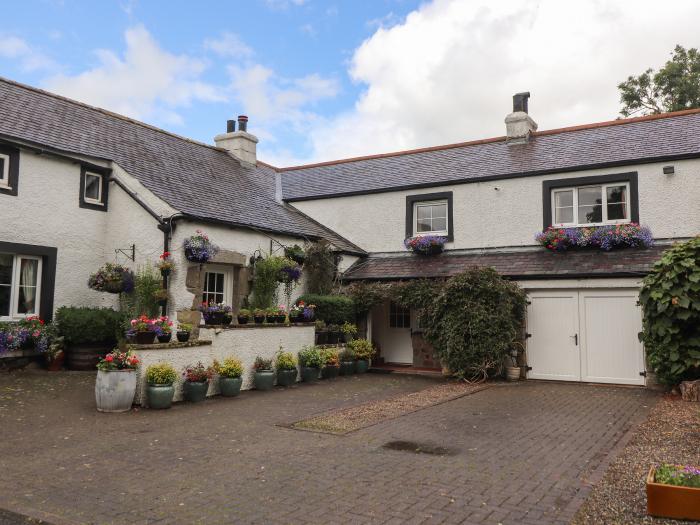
(325, 79)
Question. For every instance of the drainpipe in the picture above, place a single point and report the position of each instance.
(166, 226)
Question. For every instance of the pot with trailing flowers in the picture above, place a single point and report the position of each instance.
(115, 385)
(216, 314)
(164, 329)
(166, 264)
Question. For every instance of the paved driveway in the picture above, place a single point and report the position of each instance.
(520, 454)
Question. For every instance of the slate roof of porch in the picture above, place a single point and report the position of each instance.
(531, 264)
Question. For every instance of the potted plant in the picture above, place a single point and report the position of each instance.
(160, 390)
(164, 329)
(296, 313)
(183, 332)
(331, 363)
(243, 316)
(513, 372)
(199, 248)
(673, 491)
(112, 278)
(295, 253)
(264, 376)
(115, 385)
(88, 334)
(333, 331)
(321, 333)
(196, 382)
(259, 315)
(230, 372)
(161, 296)
(349, 331)
(310, 361)
(286, 365)
(281, 314)
(426, 244)
(143, 330)
(347, 362)
(363, 351)
(166, 264)
(215, 314)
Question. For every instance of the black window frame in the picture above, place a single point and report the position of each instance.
(631, 178)
(104, 195)
(13, 170)
(411, 201)
(48, 256)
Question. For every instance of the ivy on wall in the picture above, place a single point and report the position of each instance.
(319, 268)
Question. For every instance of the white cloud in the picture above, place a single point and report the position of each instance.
(284, 4)
(228, 45)
(29, 59)
(146, 83)
(448, 71)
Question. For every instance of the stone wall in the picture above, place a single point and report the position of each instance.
(245, 343)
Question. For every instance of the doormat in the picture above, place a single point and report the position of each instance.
(346, 420)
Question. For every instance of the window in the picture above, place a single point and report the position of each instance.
(94, 187)
(588, 201)
(9, 169)
(4, 170)
(429, 214)
(399, 317)
(217, 285)
(20, 285)
(430, 217)
(602, 204)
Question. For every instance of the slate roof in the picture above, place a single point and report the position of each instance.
(517, 265)
(201, 181)
(615, 143)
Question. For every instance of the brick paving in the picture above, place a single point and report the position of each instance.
(522, 454)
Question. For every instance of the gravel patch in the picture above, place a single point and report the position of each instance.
(671, 434)
(345, 420)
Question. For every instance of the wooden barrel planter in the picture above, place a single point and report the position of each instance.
(85, 356)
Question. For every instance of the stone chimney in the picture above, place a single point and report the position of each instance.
(240, 144)
(519, 125)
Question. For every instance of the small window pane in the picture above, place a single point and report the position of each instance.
(590, 214)
(92, 187)
(439, 225)
(590, 196)
(563, 198)
(27, 300)
(564, 215)
(5, 292)
(6, 264)
(617, 212)
(440, 211)
(431, 217)
(617, 194)
(423, 212)
(3, 170)
(399, 317)
(28, 272)
(423, 226)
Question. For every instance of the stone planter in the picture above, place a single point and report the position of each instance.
(330, 372)
(513, 373)
(361, 366)
(160, 396)
(195, 391)
(347, 368)
(264, 380)
(165, 338)
(309, 374)
(183, 337)
(115, 389)
(144, 338)
(230, 386)
(671, 501)
(286, 377)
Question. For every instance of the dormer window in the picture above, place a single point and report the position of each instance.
(93, 188)
(9, 170)
(4, 170)
(429, 214)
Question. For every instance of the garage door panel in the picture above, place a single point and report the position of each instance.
(610, 349)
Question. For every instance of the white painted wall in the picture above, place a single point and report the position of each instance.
(243, 343)
(485, 217)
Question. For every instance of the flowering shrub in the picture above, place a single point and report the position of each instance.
(199, 248)
(606, 238)
(161, 374)
(285, 361)
(197, 373)
(112, 278)
(116, 360)
(261, 364)
(426, 244)
(303, 310)
(28, 333)
(330, 357)
(231, 367)
(166, 263)
(362, 348)
(143, 324)
(310, 356)
(681, 475)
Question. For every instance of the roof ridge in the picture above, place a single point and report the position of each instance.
(554, 131)
(107, 112)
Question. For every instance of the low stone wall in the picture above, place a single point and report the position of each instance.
(243, 342)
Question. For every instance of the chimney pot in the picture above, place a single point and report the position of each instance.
(520, 101)
(242, 123)
(230, 126)
(240, 144)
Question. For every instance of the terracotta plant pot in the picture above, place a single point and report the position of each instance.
(56, 364)
(672, 501)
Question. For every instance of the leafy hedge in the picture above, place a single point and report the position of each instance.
(473, 321)
(89, 325)
(670, 298)
(333, 309)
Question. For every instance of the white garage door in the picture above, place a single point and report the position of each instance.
(585, 335)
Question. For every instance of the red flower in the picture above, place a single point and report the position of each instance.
(109, 358)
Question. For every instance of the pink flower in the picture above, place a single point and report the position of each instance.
(109, 358)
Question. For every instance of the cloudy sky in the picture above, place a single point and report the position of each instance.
(327, 79)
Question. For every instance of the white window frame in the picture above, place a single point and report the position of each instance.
(404, 313)
(442, 202)
(98, 201)
(5, 173)
(14, 287)
(604, 204)
(228, 280)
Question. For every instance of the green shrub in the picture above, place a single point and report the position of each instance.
(148, 284)
(349, 328)
(161, 374)
(90, 325)
(333, 309)
(330, 357)
(310, 356)
(266, 280)
(285, 361)
(262, 363)
(473, 321)
(230, 367)
(670, 299)
(362, 348)
(347, 355)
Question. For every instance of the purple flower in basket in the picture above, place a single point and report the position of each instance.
(209, 311)
(199, 248)
(290, 274)
(603, 237)
(426, 244)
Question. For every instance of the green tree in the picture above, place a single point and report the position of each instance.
(674, 87)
